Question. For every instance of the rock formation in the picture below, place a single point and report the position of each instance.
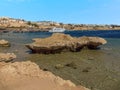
(92, 42)
(6, 57)
(59, 42)
(4, 43)
(28, 76)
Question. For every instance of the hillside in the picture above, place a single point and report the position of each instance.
(7, 23)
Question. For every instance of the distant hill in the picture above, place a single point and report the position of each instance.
(21, 24)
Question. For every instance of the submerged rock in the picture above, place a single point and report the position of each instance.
(87, 69)
(4, 43)
(59, 66)
(59, 42)
(72, 65)
(6, 57)
(28, 76)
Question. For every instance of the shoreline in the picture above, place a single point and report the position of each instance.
(12, 24)
(38, 30)
(28, 76)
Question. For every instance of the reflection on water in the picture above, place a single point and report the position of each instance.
(96, 69)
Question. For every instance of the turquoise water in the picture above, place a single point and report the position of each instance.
(95, 69)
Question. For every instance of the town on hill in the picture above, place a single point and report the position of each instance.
(7, 23)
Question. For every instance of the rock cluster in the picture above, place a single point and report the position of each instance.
(59, 42)
(28, 76)
(6, 57)
(4, 43)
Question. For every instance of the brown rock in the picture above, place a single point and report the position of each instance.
(28, 76)
(6, 57)
(4, 43)
(59, 42)
(92, 42)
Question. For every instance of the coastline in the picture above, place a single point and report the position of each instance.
(18, 30)
(21, 25)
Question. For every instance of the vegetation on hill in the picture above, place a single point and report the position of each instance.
(21, 24)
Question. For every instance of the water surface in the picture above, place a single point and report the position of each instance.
(95, 69)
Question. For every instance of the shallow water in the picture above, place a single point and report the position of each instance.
(95, 69)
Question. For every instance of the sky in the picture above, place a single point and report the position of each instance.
(65, 11)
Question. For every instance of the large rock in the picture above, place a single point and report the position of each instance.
(4, 43)
(28, 76)
(61, 42)
(6, 57)
(92, 42)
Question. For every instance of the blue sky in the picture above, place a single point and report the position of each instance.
(66, 11)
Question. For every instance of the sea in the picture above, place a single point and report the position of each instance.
(94, 69)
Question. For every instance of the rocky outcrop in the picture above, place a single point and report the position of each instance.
(6, 57)
(4, 43)
(59, 42)
(91, 42)
(28, 76)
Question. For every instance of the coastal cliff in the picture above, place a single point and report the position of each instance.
(7, 23)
